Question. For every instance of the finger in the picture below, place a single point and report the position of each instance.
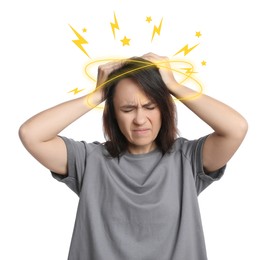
(107, 68)
(104, 70)
(156, 59)
(153, 55)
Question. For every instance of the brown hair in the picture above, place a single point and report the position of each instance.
(147, 76)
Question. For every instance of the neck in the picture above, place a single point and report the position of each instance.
(138, 149)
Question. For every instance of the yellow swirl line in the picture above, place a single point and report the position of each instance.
(146, 65)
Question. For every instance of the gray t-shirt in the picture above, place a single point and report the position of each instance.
(143, 207)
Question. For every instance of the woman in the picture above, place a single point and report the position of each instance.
(138, 191)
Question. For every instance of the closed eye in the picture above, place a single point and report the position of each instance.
(151, 107)
(127, 110)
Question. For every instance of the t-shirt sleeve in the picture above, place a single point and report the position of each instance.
(77, 152)
(194, 154)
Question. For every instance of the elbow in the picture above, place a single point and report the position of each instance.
(244, 127)
(236, 130)
(241, 129)
(25, 135)
(22, 133)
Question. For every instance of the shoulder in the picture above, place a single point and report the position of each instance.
(188, 147)
(87, 147)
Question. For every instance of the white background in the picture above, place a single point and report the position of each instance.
(40, 64)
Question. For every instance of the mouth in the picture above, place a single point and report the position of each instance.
(141, 130)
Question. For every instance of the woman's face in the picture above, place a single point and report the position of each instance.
(139, 119)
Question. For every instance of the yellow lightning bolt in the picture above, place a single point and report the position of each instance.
(188, 71)
(75, 91)
(186, 49)
(114, 26)
(79, 41)
(157, 30)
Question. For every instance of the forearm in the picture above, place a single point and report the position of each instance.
(47, 124)
(221, 118)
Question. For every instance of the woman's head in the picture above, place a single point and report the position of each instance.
(139, 112)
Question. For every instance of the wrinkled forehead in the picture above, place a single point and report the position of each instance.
(130, 92)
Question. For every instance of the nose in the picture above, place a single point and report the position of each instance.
(140, 117)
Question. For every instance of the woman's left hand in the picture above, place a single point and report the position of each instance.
(162, 62)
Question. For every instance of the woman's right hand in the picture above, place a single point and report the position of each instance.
(105, 70)
(97, 96)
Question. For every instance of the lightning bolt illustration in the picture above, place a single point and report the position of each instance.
(79, 41)
(75, 91)
(188, 71)
(186, 49)
(114, 26)
(157, 30)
